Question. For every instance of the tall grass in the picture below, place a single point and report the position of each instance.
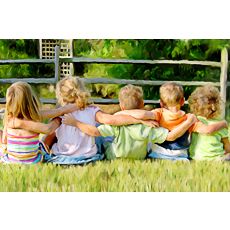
(118, 175)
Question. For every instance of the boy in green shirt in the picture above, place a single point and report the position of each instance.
(131, 141)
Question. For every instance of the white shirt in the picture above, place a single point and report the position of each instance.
(71, 141)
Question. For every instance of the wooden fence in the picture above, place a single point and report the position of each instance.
(223, 65)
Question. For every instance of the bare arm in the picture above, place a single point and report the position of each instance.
(51, 113)
(34, 126)
(117, 120)
(4, 137)
(138, 114)
(85, 128)
(208, 129)
(181, 129)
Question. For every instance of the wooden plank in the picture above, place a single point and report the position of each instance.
(29, 80)
(223, 78)
(40, 48)
(143, 82)
(56, 61)
(26, 61)
(43, 100)
(106, 81)
(95, 100)
(126, 61)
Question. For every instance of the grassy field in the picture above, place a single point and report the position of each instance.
(116, 176)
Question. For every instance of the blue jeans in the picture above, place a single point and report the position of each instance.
(79, 160)
(154, 155)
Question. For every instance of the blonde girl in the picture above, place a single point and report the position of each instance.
(205, 102)
(23, 146)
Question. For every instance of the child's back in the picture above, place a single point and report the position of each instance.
(22, 146)
(205, 103)
(208, 147)
(131, 141)
(71, 141)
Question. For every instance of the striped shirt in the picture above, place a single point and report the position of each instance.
(23, 149)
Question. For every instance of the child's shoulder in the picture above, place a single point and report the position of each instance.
(88, 109)
(209, 121)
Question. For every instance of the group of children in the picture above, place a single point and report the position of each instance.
(133, 133)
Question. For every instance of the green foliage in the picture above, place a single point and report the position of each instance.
(118, 176)
(205, 49)
(23, 49)
(155, 49)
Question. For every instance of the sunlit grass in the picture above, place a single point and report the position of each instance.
(118, 175)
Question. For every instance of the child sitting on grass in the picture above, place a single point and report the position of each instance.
(72, 145)
(171, 116)
(22, 145)
(205, 102)
(130, 141)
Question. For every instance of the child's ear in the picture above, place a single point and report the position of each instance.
(182, 101)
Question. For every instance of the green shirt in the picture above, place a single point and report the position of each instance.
(207, 146)
(131, 141)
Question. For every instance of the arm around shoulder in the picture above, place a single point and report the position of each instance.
(182, 128)
(85, 128)
(116, 120)
(208, 129)
(35, 126)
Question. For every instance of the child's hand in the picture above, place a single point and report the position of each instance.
(68, 119)
(191, 118)
(57, 120)
(69, 108)
(13, 123)
(150, 123)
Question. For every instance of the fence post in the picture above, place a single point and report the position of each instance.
(56, 63)
(223, 77)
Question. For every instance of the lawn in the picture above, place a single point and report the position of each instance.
(118, 175)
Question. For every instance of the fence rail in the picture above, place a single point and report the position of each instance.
(223, 65)
(125, 61)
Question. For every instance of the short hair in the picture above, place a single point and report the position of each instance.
(171, 93)
(72, 90)
(131, 97)
(205, 101)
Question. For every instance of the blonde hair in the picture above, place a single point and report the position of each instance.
(171, 93)
(205, 101)
(22, 103)
(72, 90)
(131, 97)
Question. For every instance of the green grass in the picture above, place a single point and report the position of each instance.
(118, 175)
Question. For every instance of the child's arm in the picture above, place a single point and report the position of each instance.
(90, 130)
(51, 113)
(139, 114)
(116, 120)
(208, 129)
(4, 136)
(34, 126)
(182, 128)
(85, 128)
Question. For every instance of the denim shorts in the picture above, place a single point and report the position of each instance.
(154, 155)
(159, 152)
(61, 159)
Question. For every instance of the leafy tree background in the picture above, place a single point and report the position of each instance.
(171, 49)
